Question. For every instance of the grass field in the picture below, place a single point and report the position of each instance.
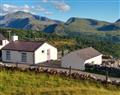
(24, 83)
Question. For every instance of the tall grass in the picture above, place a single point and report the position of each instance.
(29, 83)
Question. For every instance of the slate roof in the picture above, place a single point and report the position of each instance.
(2, 37)
(27, 46)
(86, 53)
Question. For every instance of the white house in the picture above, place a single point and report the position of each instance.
(3, 42)
(79, 58)
(28, 52)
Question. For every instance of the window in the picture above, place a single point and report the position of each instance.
(0, 42)
(43, 51)
(24, 57)
(8, 57)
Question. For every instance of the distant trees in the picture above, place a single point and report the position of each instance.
(71, 42)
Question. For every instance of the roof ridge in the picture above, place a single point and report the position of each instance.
(28, 41)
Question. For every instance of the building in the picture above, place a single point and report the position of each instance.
(3, 42)
(79, 58)
(28, 52)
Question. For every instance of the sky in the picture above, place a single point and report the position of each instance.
(105, 10)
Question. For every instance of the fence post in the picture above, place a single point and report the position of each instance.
(16, 65)
(70, 71)
(106, 76)
(106, 72)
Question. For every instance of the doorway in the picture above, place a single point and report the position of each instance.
(48, 55)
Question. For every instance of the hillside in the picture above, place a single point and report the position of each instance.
(29, 83)
(28, 21)
(84, 25)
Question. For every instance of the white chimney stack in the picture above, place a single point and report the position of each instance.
(14, 38)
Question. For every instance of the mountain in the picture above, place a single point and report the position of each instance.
(76, 25)
(111, 27)
(118, 21)
(84, 25)
(23, 20)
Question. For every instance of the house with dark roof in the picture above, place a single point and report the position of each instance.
(78, 59)
(28, 52)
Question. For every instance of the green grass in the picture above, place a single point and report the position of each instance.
(24, 83)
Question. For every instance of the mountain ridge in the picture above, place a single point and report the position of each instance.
(28, 21)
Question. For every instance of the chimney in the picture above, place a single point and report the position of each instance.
(14, 38)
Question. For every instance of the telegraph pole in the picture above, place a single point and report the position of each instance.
(9, 31)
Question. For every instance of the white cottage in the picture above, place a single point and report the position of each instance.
(79, 58)
(3, 42)
(28, 52)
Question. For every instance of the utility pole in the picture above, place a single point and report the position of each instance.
(34, 35)
(106, 76)
(9, 31)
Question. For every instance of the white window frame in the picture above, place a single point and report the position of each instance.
(8, 55)
(23, 57)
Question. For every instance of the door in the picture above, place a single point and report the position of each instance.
(48, 55)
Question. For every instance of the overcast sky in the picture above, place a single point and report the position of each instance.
(107, 10)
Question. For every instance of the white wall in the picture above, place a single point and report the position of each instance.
(74, 62)
(96, 60)
(16, 57)
(4, 42)
(42, 57)
(14, 38)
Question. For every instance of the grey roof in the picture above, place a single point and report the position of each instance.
(86, 53)
(2, 37)
(28, 46)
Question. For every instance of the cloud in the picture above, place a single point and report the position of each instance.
(8, 8)
(48, 13)
(45, 1)
(59, 5)
(62, 6)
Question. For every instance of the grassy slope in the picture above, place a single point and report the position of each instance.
(20, 83)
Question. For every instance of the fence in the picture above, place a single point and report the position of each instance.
(74, 75)
(114, 72)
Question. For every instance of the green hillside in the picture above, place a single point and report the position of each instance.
(29, 83)
(84, 25)
(107, 43)
(81, 25)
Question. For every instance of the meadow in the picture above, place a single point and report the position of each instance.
(29, 83)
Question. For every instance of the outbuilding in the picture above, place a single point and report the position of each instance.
(78, 59)
(28, 52)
